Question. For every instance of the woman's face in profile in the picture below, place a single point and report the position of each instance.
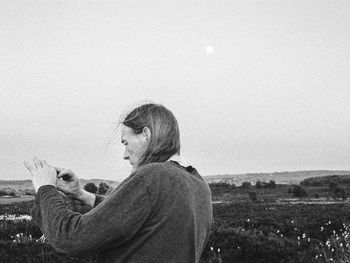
(135, 145)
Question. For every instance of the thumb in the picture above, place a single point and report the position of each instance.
(65, 174)
(58, 169)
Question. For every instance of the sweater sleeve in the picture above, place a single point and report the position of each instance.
(112, 222)
(78, 205)
(98, 200)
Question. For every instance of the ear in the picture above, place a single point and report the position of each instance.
(146, 133)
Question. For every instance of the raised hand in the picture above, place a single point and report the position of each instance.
(42, 173)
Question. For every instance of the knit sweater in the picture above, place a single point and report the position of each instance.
(160, 213)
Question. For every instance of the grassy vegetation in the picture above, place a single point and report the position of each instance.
(265, 222)
(278, 225)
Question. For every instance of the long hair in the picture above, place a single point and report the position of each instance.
(165, 134)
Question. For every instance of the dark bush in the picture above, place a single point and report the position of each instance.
(299, 191)
(252, 196)
(340, 192)
(332, 185)
(8, 191)
(103, 188)
(246, 185)
(91, 187)
(220, 188)
(272, 184)
(34, 252)
(258, 184)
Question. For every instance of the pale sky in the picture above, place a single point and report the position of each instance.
(256, 86)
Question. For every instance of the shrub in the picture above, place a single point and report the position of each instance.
(91, 187)
(272, 184)
(258, 184)
(252, 196)
(103, 188)
(13, 252)
(332, 185)
(340, 192)
(250, 245)
(299, 191)
(8, 191)
(246, 185)
(220, 188)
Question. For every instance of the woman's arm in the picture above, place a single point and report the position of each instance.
(114, 221)
(79, 199)
(85, 204)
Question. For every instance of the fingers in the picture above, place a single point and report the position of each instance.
(58, 169)
(28, 166)
(44, 163)
(37, 162)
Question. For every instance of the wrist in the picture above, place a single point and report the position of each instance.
(87, 198)
(80, 196)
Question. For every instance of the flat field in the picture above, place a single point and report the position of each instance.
(11, 200)
(251, 224)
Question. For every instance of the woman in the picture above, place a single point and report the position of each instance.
(161, 213)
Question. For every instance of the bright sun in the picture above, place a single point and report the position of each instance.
(209, 49)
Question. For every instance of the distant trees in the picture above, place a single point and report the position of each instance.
(221, 185)
(340, 192)
(90, 187)
(8, 192)
(271, 184)
(220, 188)
(258, 184)
(103, 188)
(326, 180)
(246, 185)
(299, 191)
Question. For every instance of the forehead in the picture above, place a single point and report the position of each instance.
(126, 132)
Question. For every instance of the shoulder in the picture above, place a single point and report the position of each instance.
(156, 168)
(153, 171)
(160, 173)
(167, 173)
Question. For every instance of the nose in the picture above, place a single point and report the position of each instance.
(126, 155)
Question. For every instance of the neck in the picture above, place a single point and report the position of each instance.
(175, 158)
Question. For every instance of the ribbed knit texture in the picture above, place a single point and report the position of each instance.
(161, 213)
